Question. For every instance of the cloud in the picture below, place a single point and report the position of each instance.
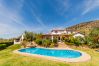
(64, 5)
(33, 8)
(9, 18)
(61, 6)
(90, 5)
(12, 22)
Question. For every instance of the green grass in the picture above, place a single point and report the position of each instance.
(8, 58)
(94, 57)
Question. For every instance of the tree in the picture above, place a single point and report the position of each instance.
(29, 36)
(94, 36)
(38, 36)
(94, 32)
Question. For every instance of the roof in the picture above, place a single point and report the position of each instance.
(62, 30)
(54, 35)
(57, 30)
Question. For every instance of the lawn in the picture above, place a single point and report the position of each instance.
(8, 58)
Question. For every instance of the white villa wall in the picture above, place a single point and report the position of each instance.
(62, 32)
(68, 32)
(20, 40)
(15, 42)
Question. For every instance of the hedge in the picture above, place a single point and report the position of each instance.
(3, 46)
(7, 43)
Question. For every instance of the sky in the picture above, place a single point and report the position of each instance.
(42, 16)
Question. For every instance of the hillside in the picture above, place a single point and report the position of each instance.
(84, 27)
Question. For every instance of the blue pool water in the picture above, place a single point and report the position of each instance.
(52, 52)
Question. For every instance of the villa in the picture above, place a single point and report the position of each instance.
(61, 34)
(58, 34)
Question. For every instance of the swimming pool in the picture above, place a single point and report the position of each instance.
(52, 52)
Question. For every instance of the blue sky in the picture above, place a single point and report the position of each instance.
(16, 16)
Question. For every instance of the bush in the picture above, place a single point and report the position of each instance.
(7, 43)
(67, 43)
(55, 41)
(71, 40)
(75, 41)
(39, 41)
(93, 38)
(52, 45)
(46, 42)
(3, 46)
(87, 40)
(94, 42)
(24, 43)
(66, 40)
(79, 41)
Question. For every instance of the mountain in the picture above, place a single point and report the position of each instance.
(84, 27)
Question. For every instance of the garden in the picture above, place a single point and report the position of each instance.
(91, 40)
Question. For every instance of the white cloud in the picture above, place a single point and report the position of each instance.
(11, 15)
(9, 18)
(61, 6)
(64, 5)
(12, 23)
(90, 5)
(35, 14)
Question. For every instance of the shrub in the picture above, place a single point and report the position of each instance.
(77, 42)
(87, 40)
(46, 42)
(7, 43)
(71, 40)
(66, 40)
(94, 38)
(39, 41)
(94, 42)
(3, 46)
(94, 32)
(55, 41)
(24, 43)
(69, 43)
(52, 45)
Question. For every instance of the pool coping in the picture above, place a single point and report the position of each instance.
(83, 58)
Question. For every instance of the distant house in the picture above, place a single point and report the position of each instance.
(19, 40)
(78, 35)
